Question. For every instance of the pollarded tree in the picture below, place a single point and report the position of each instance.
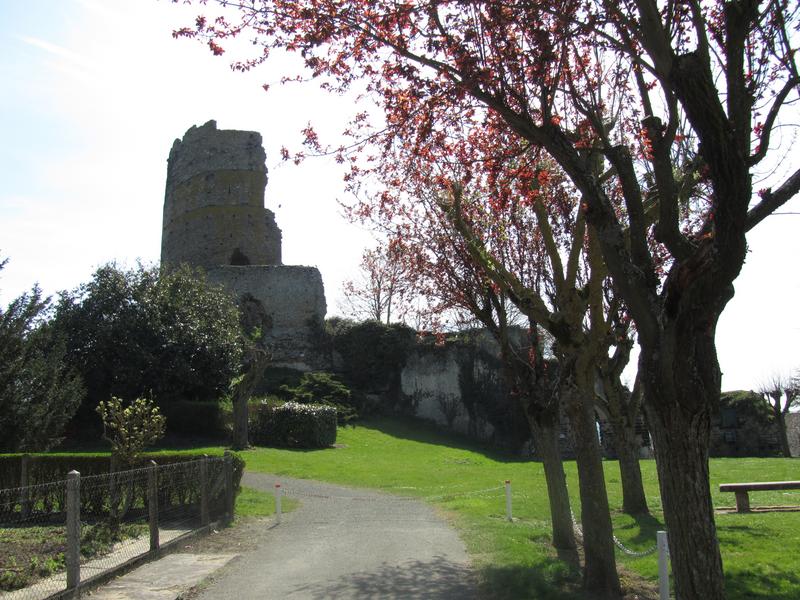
(678, 99)
(781, 393)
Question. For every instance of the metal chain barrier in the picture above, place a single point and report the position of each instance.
(579, 532)
(300, 494)
(463, 494)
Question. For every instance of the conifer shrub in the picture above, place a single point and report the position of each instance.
(327, 389)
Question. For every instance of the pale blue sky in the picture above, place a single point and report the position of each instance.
(95, 92)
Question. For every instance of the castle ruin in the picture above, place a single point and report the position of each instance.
(214, 218)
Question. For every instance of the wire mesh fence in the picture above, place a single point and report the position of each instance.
(32, 538)
(61, 535)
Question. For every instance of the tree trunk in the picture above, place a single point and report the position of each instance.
(622, 408)
(681, 383)
(240, 422)
(634, 501)
(783, 437)
(600, 572)
(545, 436)
(257, 363)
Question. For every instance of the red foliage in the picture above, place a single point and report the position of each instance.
(642, 112)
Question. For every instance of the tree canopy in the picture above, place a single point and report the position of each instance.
(675, 102)
(39, 392)
(150, 333)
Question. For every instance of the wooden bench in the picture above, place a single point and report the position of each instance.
(741, 490)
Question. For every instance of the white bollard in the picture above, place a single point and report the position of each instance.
(663, 565)
(277, 502)
(508, 500)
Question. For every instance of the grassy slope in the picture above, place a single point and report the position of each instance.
(760, 551)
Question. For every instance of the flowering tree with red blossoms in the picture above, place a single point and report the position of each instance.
(484, 256)
(442, 268)
(676, 102)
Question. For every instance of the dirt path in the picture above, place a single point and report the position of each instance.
(345, 543)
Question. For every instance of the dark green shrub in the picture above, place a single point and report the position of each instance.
(372, 353)
(324, 388)
(294, 425)
(187, 417)
(277, 377)
(150, 333)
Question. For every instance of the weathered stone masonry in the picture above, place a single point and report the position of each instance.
(214, 202)
(214, 218)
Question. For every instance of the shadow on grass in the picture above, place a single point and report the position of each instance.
(764, 582)
(418, 430)
(552, 579)
(645, 527)
(741, 536)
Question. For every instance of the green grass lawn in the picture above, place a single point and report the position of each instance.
(514, 560)
(761, 552)
(254, 503)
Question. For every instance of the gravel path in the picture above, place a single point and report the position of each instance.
(347, 543)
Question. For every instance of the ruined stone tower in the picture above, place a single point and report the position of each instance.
(214, 203)
(214, 218)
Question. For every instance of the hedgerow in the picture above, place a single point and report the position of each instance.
(293, 425)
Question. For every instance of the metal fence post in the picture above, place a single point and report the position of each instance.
(277, 502)
(73, 553)
(229, 494)
(113, 493)
(508, 500)
(24, 482)
(663, 565)
(205, 516)
(152, 504)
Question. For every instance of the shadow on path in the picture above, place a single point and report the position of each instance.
(434, 579)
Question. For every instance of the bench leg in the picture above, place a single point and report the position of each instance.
(742, 502)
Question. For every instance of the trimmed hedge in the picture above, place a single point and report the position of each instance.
(48, 499)
(293, 425)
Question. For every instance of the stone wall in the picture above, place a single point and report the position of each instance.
(743, 427)
(431, 380)
(459, 386)
(214, 201)
(214, 217)
(793, 431)
(291, 303)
